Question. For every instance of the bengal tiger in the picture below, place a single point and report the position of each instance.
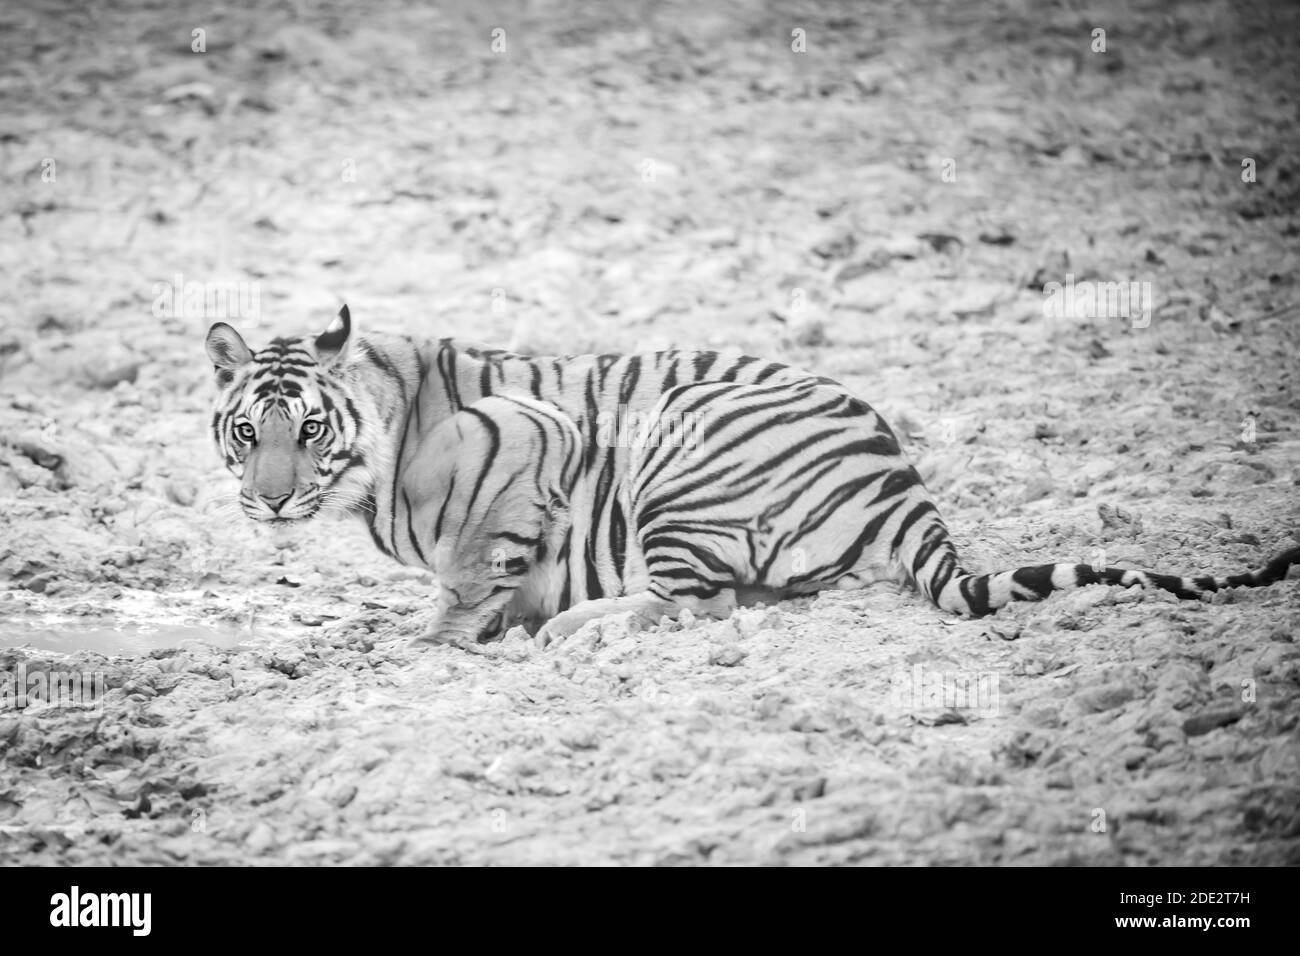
(551, 491)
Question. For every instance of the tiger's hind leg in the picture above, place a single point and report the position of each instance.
(766, 491)
(751, 490)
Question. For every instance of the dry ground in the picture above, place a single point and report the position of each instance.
(632, 178)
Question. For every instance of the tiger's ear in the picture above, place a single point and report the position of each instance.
(227, 350)
(332, 344)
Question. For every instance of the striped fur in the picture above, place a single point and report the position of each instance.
(551, 491)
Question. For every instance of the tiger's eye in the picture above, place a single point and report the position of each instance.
(312, 430)
(245, 432)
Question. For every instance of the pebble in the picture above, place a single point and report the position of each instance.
(1209, 720)
(726, 655)
(261, 839)
(1106, 697)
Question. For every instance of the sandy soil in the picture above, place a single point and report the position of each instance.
(620, 180)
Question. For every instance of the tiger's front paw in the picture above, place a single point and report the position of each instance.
(547, 635)
(437, 634)
(558, 628)
(464, 630)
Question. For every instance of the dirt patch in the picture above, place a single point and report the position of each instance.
(884, 207)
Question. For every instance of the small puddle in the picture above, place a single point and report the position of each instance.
(106, 637)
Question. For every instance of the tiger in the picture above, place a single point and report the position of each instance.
(546, 492)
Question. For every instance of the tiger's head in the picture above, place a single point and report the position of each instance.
(289, 421)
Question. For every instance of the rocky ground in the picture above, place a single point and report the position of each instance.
(878, 194)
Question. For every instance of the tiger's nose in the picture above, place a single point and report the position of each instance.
(275, 503)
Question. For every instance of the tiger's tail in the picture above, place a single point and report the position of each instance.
(929, 558)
